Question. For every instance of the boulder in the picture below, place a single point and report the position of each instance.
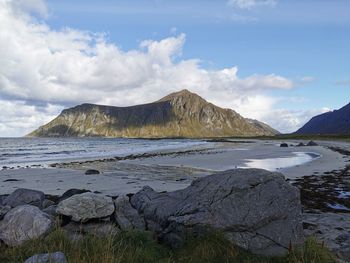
(283, 145)
(312, 143)
(126, 216)
(300, 144)
(23, 196)
(24, 223)
(56, 257)
(48, 203)
(72, 192)
(2, 199)
(92, 171)
(3, 210)
(86, 206)
(51, 210)
(256, 209)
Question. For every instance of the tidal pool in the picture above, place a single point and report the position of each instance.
(338, 207)
(274, 164)
(344, 194)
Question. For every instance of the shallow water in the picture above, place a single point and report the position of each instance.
(344, 194)
(338, 207)
(275, 164)
(42, 151)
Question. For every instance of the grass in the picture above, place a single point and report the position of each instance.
(141, 247)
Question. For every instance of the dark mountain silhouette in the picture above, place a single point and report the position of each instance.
(334, 122)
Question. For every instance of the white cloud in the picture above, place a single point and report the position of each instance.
(23, 7)
(289, 120)
(249, 4)
(70, 67)
(18, 118)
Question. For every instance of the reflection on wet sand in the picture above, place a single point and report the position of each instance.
(274, 164)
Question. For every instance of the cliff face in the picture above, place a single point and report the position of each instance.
(334, 122)
(180, 114)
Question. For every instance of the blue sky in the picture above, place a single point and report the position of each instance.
(305, 42)
(295, 38)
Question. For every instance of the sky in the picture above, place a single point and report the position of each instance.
(278, 61)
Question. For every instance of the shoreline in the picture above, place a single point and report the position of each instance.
(167, 170)
(324, 182)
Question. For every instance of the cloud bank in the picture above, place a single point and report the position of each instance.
(44, 70)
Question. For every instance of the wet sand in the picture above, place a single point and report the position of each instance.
(169, 170)
(227, 156)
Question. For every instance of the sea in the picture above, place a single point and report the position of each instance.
(23, 152)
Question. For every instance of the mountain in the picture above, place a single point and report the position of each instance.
(334, 122)
(263, 126)
(180, 114)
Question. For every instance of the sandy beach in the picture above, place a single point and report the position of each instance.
(170, 170)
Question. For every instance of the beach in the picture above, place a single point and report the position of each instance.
(172, 169)
(320, 172)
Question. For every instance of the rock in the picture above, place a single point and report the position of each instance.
(2, 199)
(72, 192)
(4, 210)
(342, 238)
(126, 216)
(24, 223)
(284, 145)
(300, 144)
(331, 228)
(11, 180)
(48, 203)
(86, 206)
(51, 210)
(256, 209)
(92, 171)
(102, 229)
(56, 257)
(23, 196)
(312, 143)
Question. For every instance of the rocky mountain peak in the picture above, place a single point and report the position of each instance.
(179, 114)
(182, 95)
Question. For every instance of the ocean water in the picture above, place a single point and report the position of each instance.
(275, 164)
(23, 152)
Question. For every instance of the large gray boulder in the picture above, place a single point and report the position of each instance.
(23, 196)
(24, 223)
(72, 192)
(256, 209)
(86, 206)
(4, 209)
(56, 257)
(126, 216)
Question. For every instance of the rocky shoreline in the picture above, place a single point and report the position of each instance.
(326, 206)
(257, 210)
(323, 204)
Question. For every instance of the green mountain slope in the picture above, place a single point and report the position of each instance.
(180, 114)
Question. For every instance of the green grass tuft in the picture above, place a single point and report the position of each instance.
(311, 252)
(141, 247)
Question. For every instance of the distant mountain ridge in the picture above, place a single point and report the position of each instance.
(180, 114)
(329, 123)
